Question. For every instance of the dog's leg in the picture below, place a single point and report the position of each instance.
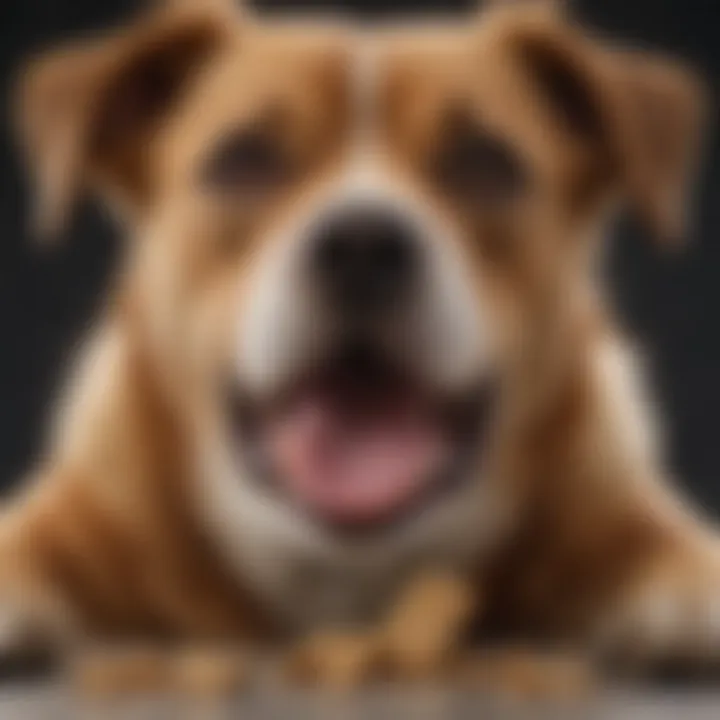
(34, 626)
(35, 620)
(670, 614)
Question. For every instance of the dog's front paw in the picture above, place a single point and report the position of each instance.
(671, 619)
(529, 675)
(196, 671)
(27, 647)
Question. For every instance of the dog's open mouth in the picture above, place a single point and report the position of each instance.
(359, 442)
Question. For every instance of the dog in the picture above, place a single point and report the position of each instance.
(358, 331)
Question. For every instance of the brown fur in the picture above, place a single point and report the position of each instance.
(108, 541)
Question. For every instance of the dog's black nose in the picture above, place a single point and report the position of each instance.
(365, 258)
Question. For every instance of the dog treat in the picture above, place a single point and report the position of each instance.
(416, 640)
(530, 675)
(128, 671)
(426, 623)
(210, 672)
(337, 660)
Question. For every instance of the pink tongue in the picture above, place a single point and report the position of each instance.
(355, 465)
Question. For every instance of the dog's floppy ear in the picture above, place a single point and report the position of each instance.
(86, 115)
(643, 113)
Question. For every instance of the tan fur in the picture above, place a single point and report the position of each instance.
(110, 539)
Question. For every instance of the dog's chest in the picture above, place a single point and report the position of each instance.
(306, 589)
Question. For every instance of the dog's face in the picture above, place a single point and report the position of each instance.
(350, 244)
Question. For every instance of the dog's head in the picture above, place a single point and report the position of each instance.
(346, 242)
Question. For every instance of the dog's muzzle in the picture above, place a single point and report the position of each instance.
(356, 423)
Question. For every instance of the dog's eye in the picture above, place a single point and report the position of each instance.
(476, 167)
(251, 162)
